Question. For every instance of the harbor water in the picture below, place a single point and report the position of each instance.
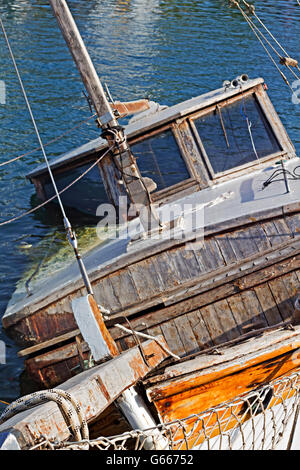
(165, 50)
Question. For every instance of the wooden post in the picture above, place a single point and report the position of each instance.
(136, 188)
(83, 61)
(139, 417)
(93, 329)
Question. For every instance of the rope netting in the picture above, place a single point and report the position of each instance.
(263, 419)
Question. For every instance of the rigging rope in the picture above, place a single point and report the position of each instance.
(48, 143)
(13, 219)
(32, 118)
(71, 236)
(283, 60)
(287, 61)
(252, 10)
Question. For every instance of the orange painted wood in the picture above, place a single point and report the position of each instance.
(184, 395)
(113, 349)
(221, 420)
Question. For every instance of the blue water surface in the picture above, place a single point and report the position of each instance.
(168, 50)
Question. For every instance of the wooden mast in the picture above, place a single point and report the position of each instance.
(83, 62)
(136, 187)
(96, 333)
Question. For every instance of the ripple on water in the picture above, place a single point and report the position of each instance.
(168, 50)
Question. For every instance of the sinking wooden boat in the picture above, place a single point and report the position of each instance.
(236, 271)
(217, 279)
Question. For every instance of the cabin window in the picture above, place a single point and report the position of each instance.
(86, 195)
(230, 140)
(159, 158)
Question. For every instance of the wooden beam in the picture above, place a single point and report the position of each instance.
(131, 176)
(95, 390)
(83, 61)
(207, 294)
(197, 385)
(48, 344)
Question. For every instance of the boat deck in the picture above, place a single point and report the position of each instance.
(226, 205)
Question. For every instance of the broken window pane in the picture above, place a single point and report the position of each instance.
(159, 158)
(236, 134)
(86, 195)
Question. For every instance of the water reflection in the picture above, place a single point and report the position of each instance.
(169, 50)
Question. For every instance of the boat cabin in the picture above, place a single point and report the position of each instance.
(236, 270)
(181, 149)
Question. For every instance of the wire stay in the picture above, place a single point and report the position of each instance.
(69, 231)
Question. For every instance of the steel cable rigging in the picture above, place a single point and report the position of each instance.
(285, 59)
(48, 143)
(71, 236)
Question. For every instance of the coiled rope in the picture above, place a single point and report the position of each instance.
(68, 405)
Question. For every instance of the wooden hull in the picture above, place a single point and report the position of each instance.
(198, 291)
(208, 389)
(200, 402)
(238, 280)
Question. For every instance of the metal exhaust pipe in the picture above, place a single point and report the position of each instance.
(243, 78)
(235, 83)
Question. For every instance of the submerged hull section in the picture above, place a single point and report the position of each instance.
(236, 281)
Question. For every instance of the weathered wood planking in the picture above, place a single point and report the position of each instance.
(239, 309)
(223, 315)
(224, 320)
(195, 298)
(95, 391)
(197, 385)
(148, 282)
(187, 333)
(257, 305)
(268, 303)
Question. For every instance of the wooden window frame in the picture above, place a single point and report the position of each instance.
(182, 185)
(266, 107)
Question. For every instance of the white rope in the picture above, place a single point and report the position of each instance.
(68, 405)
